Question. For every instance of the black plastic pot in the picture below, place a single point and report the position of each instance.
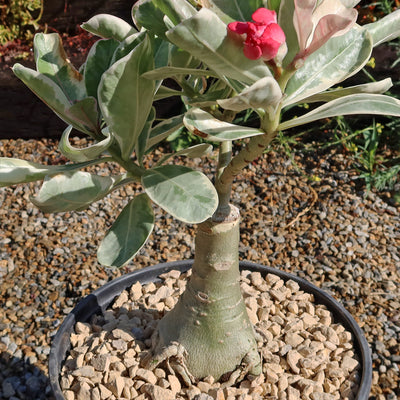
(101, 298)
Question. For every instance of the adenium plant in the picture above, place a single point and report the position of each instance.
(226, 58)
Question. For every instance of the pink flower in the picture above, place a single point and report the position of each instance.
(264, 36)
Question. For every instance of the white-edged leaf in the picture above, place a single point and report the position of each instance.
(198, 150)
(85, 114)
(285, 21)
(51, 94)
(126, 98)
(371, 88)
(263, 94)
(83, 154)
(127, 45)
(128, 233)
(97, 62)
(186, 194)
(164, 129)
(372, 104)
(52, 61)
(109, 27)
(337, 60)
(204, 125)
(72, 191)
(236, 10)
(164, 92)
(141, 144)
(14, 170)
(215, 49)
(168, 72)
(386, 29)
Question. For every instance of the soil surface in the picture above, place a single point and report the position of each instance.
(327, 230)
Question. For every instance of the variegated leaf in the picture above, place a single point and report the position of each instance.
(128, 233)
(86, 153)
(204, 125)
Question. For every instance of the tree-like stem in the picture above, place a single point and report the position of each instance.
(210, 323)
(254, 149)
(224, 192)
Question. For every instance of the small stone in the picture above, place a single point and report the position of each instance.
(95, 394)
(204, 386)
(82, 328)
(8, 389)
(121, 300)
(116, 385)
(158, 393)
(136, 291)
(87, 371)
(293, 394)
(292, 359)
(101, 362)
(349, 363)
(83, 393)
(121, 334)
(104, 392)
(69, 395)
(146, 375)
(293, 339)
(174, 383)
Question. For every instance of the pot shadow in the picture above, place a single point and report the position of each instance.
(22, 380)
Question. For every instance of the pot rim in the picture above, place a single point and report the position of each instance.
(100, 299)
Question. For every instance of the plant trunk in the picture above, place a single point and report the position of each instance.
(210, 323)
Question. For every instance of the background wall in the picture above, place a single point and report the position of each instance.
(22, 114)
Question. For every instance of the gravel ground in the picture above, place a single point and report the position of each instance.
(326, 230)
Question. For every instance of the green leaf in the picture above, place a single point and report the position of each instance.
(146, 14)
(176, 10)
(50, 94)
(141, 144)
(52, 61)
(372, 104)
(337, 60)
(199, 150)
(126, 46)
(164, 129)
(128, 234)
(186, 194)
(215, 49)
(204, 125)
(164, 92)
(82, 154)
(109, 27)
(236, 9)
(126, 98)
(372, 88)
(71, 191)
(97, 62)
(14, 171)
(285, 21)
(168, 72)
(386, 29)
(263, 94)
(85, 115)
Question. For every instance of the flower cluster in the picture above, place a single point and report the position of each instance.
(263, 36)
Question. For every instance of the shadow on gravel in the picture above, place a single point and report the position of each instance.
(20, 380)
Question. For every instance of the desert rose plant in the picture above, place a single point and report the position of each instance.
(226, 58)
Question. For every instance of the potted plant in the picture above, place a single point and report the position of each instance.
(227, 59)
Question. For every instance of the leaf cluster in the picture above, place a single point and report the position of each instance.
(111, 98)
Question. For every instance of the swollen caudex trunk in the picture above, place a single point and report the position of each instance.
(208, 332)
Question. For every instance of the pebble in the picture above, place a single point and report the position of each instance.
(40, 254)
